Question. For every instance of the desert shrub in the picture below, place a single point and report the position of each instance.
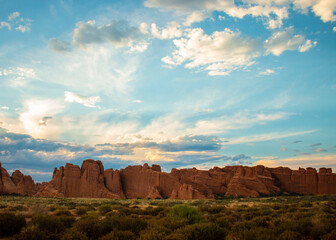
(256, 233)
(261, 221)
(152, 234)
(201, 231)
(306, 204)
(11, 223)
(155, 211)
(90, 226)
(105, 208)
(81, 210)
(175, 236)
(32, 233)
(134, 225)
(186, 213)
(223, 222)
(290, 235)
(216, 209)
(171, 223)
(63, 212)
(302, 226)
(119, 235)
(73, 234)
(52, 224)
(18, 208)
(330, 236)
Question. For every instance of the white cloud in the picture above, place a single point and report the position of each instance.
(19, 24)
(314, 160)
(85, 101)
(137, 101)
(18, 76)
(325, 9)
(195, 17)
(173, 30)
(219, 53)
(334, 29)
(266, 137)
(13, 15)
(5, 24)
(308, 44)
(4, 108)
(23, 28)
(273, 12)
(173, 125)
(267, 72)
(284, 40)
(36, 111)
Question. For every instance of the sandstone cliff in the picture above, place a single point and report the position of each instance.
(17, 183)
(91, 180)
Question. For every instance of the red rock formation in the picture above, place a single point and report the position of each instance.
(6, 184)
(25, 185)
(149, 182)
(72, 181)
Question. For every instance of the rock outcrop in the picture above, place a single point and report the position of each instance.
(18, 183)
(6, 184)
(72, 181)
(91, 180)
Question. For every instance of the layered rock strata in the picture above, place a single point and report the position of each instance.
(91, 180)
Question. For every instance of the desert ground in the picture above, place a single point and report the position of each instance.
(278, 217)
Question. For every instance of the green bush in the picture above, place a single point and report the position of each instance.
(33, 233)
(105, 208)
(119, 235)
(81, 210)
(290, 235)
(186, 213)
(73, 234)
(90, 226)
(11, 223)
(201, 231)
(52, 224)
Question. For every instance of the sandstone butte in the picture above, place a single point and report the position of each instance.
(92, 181)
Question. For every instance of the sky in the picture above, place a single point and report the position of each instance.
(195, 83)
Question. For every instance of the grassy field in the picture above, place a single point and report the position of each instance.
(284, 217)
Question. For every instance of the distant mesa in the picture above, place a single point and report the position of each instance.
(92, 181)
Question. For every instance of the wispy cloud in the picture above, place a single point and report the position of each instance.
(266, 137)
(85, 101)
(267, 72)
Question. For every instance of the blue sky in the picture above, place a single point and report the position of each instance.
(178, 83)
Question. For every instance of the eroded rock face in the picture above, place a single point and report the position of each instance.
(6, 184)
(90, 180)
(72, 181)
(25, 185)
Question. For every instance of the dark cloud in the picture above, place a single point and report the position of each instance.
(118, 32)
(298, 141)
(315, 145)
(44, 121)
(59, 46)
(39, 156)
